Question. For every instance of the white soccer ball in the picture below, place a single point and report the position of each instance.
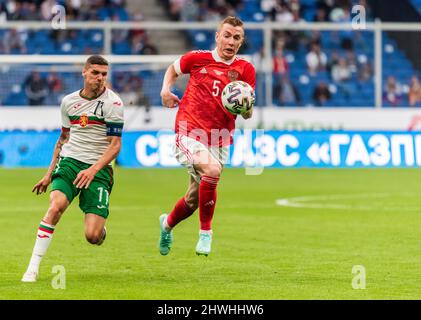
(238, 97)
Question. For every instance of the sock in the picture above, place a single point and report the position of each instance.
(180, 212)
(44, 237)
(207, 201)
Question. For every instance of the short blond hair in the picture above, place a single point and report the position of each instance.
(234, 21)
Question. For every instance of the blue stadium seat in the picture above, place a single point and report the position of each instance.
(103, 13)
(122, 47)
(15, 99)
(121, 13)
(417, 5)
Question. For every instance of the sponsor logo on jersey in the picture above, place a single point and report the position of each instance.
(83, 121)
(117, 103)
(77, 106)
(233, 75)
(203, 70)
(218, 73)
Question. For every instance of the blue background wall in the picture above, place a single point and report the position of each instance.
(250, 148)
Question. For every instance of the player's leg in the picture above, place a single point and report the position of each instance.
(192, 195)
(95, 231)
(210, 170)
(58, 204)
(94, 202)
(183, 209)
(185, 206)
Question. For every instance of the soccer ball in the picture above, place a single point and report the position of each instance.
(238, 97)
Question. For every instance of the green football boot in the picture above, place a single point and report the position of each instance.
(165, 237)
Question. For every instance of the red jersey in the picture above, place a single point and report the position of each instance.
(200, 109)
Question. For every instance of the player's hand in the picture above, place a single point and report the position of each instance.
(247, 115)
(84, 178)
(249, 107)
(42, 185)
(169, 99)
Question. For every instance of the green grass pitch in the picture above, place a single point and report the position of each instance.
(332, 220)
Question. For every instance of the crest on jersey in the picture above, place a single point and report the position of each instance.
(83, 121)
(233, 75)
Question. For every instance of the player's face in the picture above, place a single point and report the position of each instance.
(95, 76)
(229, 40)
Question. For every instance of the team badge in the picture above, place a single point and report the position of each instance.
(233, 75)
(83, 121)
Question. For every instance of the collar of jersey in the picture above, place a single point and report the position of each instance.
(90, 99)
(217, 58)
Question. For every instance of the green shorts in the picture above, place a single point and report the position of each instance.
(96, 198)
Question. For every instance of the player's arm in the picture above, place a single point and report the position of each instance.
(85, 177)
(169, 99)
(43, 184)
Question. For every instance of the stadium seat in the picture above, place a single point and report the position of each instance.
(15, 99)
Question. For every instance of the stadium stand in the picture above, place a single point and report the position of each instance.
(417, 5)
(355, 50)
(303, 62)
(61, 42)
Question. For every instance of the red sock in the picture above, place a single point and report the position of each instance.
(207, 201)
(180, 212)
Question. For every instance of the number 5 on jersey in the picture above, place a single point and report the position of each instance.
(215, 88)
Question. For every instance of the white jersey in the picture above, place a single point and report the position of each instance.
(90, 122)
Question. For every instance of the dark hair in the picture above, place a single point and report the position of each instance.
(96, 59)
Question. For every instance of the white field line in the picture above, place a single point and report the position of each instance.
(314, 202)
(311, 202)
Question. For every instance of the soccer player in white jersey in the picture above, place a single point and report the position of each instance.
(90, 139)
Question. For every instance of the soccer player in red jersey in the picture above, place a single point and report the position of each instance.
(203, 127)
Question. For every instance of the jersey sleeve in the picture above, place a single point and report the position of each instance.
(250, 75)
(114, 118)
(65, 120)
(184, 64)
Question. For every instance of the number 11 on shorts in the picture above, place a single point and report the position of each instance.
(107, 195)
